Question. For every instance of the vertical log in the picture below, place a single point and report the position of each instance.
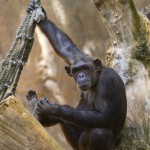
(129, 54)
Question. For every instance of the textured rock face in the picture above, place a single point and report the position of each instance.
(44, 71)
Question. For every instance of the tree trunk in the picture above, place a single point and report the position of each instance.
(19, 130)
(129, 54)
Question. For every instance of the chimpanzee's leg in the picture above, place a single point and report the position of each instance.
(96, 139)
(72, 134)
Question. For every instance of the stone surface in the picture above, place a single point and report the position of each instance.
(44, 71)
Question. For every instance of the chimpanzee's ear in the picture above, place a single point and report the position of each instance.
(68, 70)
(97, 64)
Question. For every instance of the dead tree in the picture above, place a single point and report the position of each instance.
(129, 54)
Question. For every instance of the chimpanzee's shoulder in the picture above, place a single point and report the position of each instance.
(108, 72)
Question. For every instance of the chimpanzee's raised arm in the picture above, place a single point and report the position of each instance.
(60, 41)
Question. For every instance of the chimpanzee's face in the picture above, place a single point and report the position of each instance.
(84, 73)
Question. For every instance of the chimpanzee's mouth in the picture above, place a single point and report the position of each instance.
(84, 87)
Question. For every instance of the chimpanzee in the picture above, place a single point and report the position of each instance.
(100, 115)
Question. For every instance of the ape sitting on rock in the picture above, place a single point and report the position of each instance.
(100, 115)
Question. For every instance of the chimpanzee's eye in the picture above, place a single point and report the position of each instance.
(86, 68)
(83, 68)
(75, 70)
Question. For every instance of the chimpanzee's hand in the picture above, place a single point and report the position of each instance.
(43, 107)
(32, 100)
(31, 7)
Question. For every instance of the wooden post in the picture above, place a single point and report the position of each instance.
(19, 130)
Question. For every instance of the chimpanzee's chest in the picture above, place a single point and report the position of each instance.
(88, 101)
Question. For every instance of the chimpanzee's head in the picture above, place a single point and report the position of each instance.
(84, 72)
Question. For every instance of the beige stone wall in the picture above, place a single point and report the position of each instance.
(44, 71)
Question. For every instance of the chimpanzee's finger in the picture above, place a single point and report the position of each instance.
(39, 105)
(44, 101)
(37, 109)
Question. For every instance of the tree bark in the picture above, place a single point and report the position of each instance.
(129, 54)
(19, 130)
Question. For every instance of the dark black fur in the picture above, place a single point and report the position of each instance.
(100, 115)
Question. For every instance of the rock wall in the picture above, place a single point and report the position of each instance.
(44, 71)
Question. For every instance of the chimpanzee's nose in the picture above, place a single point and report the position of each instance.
(81, 75)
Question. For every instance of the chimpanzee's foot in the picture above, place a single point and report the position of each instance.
(31, 95)
(32, 99)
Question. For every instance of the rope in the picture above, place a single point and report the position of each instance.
(12, 65)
